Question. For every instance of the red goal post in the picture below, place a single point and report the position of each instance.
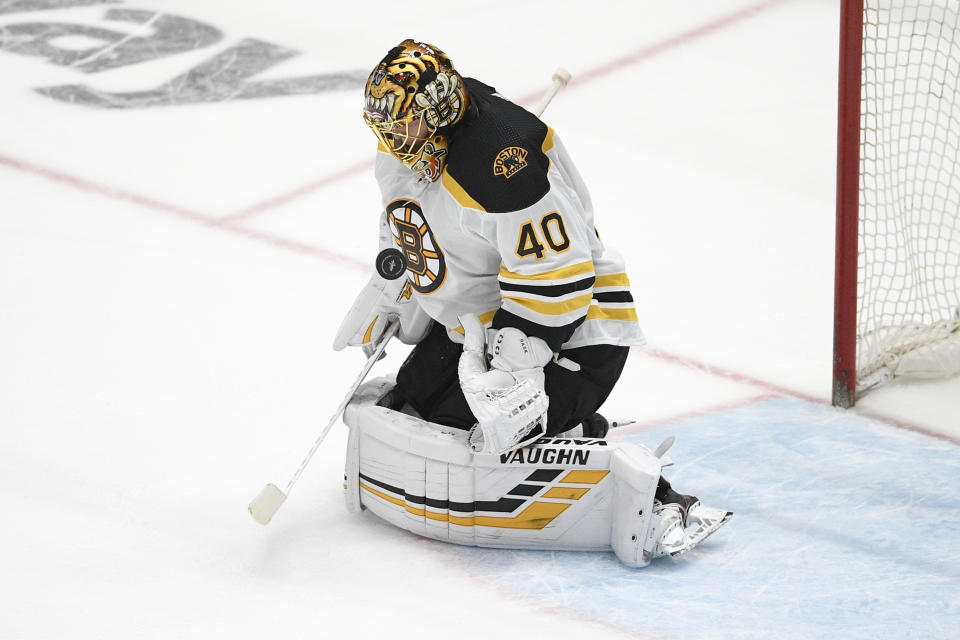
(897, 283)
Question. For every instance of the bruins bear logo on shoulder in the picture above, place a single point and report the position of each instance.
(509, 161)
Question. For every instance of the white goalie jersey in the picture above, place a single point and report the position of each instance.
(507, 233)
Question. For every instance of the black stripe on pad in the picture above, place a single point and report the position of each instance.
(525, 490)
(544, 475)
(503, 505)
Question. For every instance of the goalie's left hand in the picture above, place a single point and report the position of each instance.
(508, 401)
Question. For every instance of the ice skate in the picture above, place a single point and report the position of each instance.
(683, 528)
(707, 520)
(685, 522)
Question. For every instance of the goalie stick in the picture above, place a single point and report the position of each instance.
(560, 79)
(266, 503)
(271, 498)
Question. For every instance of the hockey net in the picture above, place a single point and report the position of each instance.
(907, 234)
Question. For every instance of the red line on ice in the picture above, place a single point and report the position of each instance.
(299, 192)
(775, 389)
(103, 190)
(723, 406)
(230, 223)
(580, 79)
(720, 372)
(655, 49)
(181, 212)
(226, 223)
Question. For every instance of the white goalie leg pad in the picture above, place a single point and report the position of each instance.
(559, 493)
(367, 394)
(635, 528)
(351, 474)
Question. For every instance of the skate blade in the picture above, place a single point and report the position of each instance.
(701, 534)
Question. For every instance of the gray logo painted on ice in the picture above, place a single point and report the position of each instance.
(225, 76)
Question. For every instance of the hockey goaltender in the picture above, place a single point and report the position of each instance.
(521, 319)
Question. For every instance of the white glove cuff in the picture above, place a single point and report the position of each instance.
(513, 350)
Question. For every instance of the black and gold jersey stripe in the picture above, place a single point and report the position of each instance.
(548, 304)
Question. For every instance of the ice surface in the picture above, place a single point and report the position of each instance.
(171, 277)
(846, 528)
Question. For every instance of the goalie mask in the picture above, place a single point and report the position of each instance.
(411, 100)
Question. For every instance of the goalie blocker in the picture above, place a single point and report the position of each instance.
(559, 493)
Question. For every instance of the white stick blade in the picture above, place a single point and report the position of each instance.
(266, 504)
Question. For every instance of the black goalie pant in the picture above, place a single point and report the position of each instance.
(428, 381)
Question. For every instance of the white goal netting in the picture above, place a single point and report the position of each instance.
(908, 309)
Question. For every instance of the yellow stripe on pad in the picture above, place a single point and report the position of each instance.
(582, 268)
(380, 494)
(566, 493)
(584, 477)
(536, 516)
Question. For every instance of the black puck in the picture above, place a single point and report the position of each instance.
(391, 264)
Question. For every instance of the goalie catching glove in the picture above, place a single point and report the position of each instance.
(379, 302)
(508, 401)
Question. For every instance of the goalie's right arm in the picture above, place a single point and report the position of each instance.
(380, 301)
